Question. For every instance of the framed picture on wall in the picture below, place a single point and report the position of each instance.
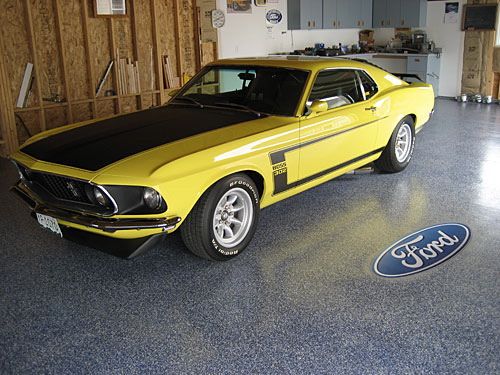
(239, 6)
(109, 8)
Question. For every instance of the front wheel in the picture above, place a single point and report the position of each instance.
(223, 222)
(399, 150)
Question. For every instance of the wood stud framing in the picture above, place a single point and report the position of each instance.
(93, 56)
(88, 55)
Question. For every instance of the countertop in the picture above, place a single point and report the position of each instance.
(388, 54)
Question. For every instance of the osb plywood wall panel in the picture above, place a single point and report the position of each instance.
(100, 50)
(15, 38)
(144, 34)
(167, 31)
(72, 36)
(129, 104)
(187, 42)
(32, 122)
(105, 108)
(47, 49)
(82, 112)
(56, 117)
(71, 49)
(123, 37)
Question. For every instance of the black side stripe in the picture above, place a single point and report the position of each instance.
(280, 180)
(280, 172)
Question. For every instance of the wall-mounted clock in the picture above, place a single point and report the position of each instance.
(218, 18)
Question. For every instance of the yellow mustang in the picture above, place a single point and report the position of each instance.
(241, 135)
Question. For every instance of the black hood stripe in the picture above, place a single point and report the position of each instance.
(102, 143)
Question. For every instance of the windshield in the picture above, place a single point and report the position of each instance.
(274, 91)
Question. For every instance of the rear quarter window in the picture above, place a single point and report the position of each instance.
(370, 88)
(337, 87)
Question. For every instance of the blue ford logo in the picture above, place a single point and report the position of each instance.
(274, 16)
(422, 250)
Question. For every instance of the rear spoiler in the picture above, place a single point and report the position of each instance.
(407, 75)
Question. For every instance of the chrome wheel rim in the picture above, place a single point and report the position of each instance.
(403, 143)
(233, 217)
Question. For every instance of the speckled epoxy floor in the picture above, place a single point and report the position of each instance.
(301, 299)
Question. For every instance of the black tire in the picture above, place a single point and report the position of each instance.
(388, 162)
(198, 232)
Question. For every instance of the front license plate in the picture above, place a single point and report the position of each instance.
(50, 223)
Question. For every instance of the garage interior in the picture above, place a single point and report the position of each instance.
(303, 298)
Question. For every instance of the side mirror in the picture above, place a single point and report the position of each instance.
(318, 106)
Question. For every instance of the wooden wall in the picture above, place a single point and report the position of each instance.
(70, 49)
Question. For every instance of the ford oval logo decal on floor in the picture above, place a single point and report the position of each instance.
(422, 250)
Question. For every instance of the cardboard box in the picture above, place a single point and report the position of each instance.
(472, 80)
(496, 59)
(366, 36)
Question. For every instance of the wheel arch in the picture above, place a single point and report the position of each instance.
(256, 176)
(414, 118)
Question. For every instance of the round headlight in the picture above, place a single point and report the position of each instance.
(152, 198)
(100, 197)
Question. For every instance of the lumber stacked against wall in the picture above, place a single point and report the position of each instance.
(71, 51)
(477, 75)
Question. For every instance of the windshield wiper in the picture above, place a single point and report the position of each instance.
(239, 106)
(188, 99)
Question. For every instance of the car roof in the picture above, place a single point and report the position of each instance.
(313, 63)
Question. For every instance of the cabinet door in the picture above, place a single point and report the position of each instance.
(413, 13)
(417, 63)
(348, 13)
(365, 12)
(379, 13)
(305, 16)
(393, 13)
(410, 13)
(329, 14)
(316, 13)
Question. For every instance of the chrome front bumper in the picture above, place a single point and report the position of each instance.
(105, 224)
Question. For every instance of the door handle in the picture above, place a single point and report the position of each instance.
(372, 108)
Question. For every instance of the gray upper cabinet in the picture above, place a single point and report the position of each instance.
(393, 13)
(399, 13)
(413, 13)
(330, 14)
(347, 14)
(365, 14)
(304, 15)
(379, 13)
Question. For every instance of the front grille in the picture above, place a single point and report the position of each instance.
(62, 187)
(66, 192)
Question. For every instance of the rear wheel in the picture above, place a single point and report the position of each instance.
(399, 150)
(223, 222)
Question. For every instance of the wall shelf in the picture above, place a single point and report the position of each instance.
(70, 49)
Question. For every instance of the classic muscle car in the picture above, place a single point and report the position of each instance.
(239, 136)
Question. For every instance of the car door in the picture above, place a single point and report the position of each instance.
(343, 134)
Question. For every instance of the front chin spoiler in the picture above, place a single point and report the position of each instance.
(128, 249)
(124, 248)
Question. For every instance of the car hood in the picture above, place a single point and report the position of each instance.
(103, 143)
